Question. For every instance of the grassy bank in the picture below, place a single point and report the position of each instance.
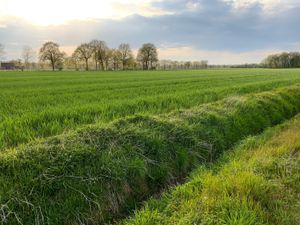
(97, 173)
(47, 104)
(258, 183)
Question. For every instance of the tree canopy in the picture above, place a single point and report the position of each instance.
(147, 56)
(283, 60)
(50, 52)
(84, 52)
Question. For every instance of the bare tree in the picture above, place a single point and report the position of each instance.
(102, 54)
(108, 57)
(95, 47)
(27, 55)
(50, 52)
(84, 52)
(2, 52)
(126, 54)
(75, 59)
(116, 58)
(187, 65)
(147, 56)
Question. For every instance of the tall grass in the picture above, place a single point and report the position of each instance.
(41, 104)
(97, 173)
(258, 183)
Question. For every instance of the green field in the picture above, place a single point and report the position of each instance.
(91, 147)
(42, 104)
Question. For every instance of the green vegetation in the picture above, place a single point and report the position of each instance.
(283, 60)
(99, 172)
(43, 104)
(257, 183)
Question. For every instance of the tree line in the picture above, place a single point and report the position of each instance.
(182, 65)
(94, 54)
(283, 60)
(2, 52)
(99, 56)
(103, 57)
(275, 61)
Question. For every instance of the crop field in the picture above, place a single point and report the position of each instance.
(94, 147)
(43, 104)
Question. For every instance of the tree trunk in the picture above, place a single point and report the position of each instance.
(96, 61)
(86, 64)
(53, 66)
(102, 65)
(147, 65)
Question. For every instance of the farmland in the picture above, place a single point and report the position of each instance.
(91, 147)
(43, 104)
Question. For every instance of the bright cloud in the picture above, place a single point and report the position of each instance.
(41, 12)
(222, 31)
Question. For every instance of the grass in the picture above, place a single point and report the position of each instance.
(256, 184)
(100, 172)
(42, 104)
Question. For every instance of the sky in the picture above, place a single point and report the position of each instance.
(220, 31)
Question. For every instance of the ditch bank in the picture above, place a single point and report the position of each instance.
(96, 174)
(255, 183)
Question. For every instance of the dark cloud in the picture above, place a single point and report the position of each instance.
(202, 24)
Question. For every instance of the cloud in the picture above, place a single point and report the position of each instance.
(40, 12)
(206, 26)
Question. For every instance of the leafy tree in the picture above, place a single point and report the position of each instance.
(295, 59)
(147, 56)
(283, 60)
(50, 52)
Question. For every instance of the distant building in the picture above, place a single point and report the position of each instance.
(7, 66)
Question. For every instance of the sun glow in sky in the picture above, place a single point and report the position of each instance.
(221, 31)
(46, 12)
(41, 12)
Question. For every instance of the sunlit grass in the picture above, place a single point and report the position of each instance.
(258, 183)
(101, 172)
